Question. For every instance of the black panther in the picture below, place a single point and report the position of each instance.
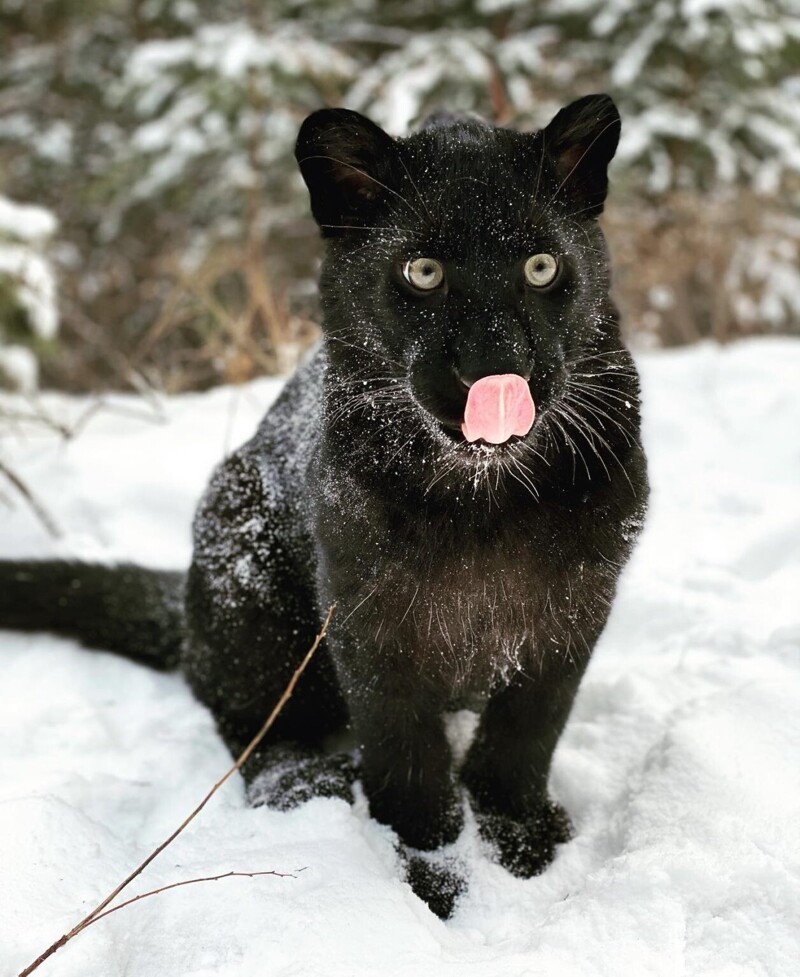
(458, 466)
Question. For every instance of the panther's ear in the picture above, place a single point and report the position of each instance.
(581, 141)
(349, 165)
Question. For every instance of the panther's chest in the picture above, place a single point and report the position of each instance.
(465, 622)
(457, 604)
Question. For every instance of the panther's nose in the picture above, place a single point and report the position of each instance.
(467, 380)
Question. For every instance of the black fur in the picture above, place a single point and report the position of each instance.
(463, 574)
(135, 612)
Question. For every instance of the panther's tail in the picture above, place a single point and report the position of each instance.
(135, 612)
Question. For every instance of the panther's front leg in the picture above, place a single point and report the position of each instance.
(507, 766)
(407, 774)
(406, 762)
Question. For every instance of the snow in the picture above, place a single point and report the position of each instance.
(36, 287)
(398, 89)
(19, 366)
(26, 222)
(235, 50)
(24, 233)
(678, 766)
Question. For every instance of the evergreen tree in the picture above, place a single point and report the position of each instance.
(161, 135)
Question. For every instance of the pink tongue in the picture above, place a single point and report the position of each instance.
(498, 407)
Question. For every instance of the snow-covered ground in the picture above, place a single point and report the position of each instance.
(680, 766)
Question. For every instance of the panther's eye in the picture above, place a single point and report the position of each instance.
(540, 270)
(423, 273)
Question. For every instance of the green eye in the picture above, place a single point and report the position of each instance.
(423, 273)
(540, 270)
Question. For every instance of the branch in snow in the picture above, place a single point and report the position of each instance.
(100, 909)
(177, 885)
(26, 492)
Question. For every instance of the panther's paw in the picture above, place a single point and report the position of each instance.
(292, 775)
(436, 879)
(526, 846)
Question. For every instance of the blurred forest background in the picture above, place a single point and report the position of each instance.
(154, 231)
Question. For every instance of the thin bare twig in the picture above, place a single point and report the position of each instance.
(36, 506)
(19, 417)
(39, 415)
(243, 757)
(177, 885)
